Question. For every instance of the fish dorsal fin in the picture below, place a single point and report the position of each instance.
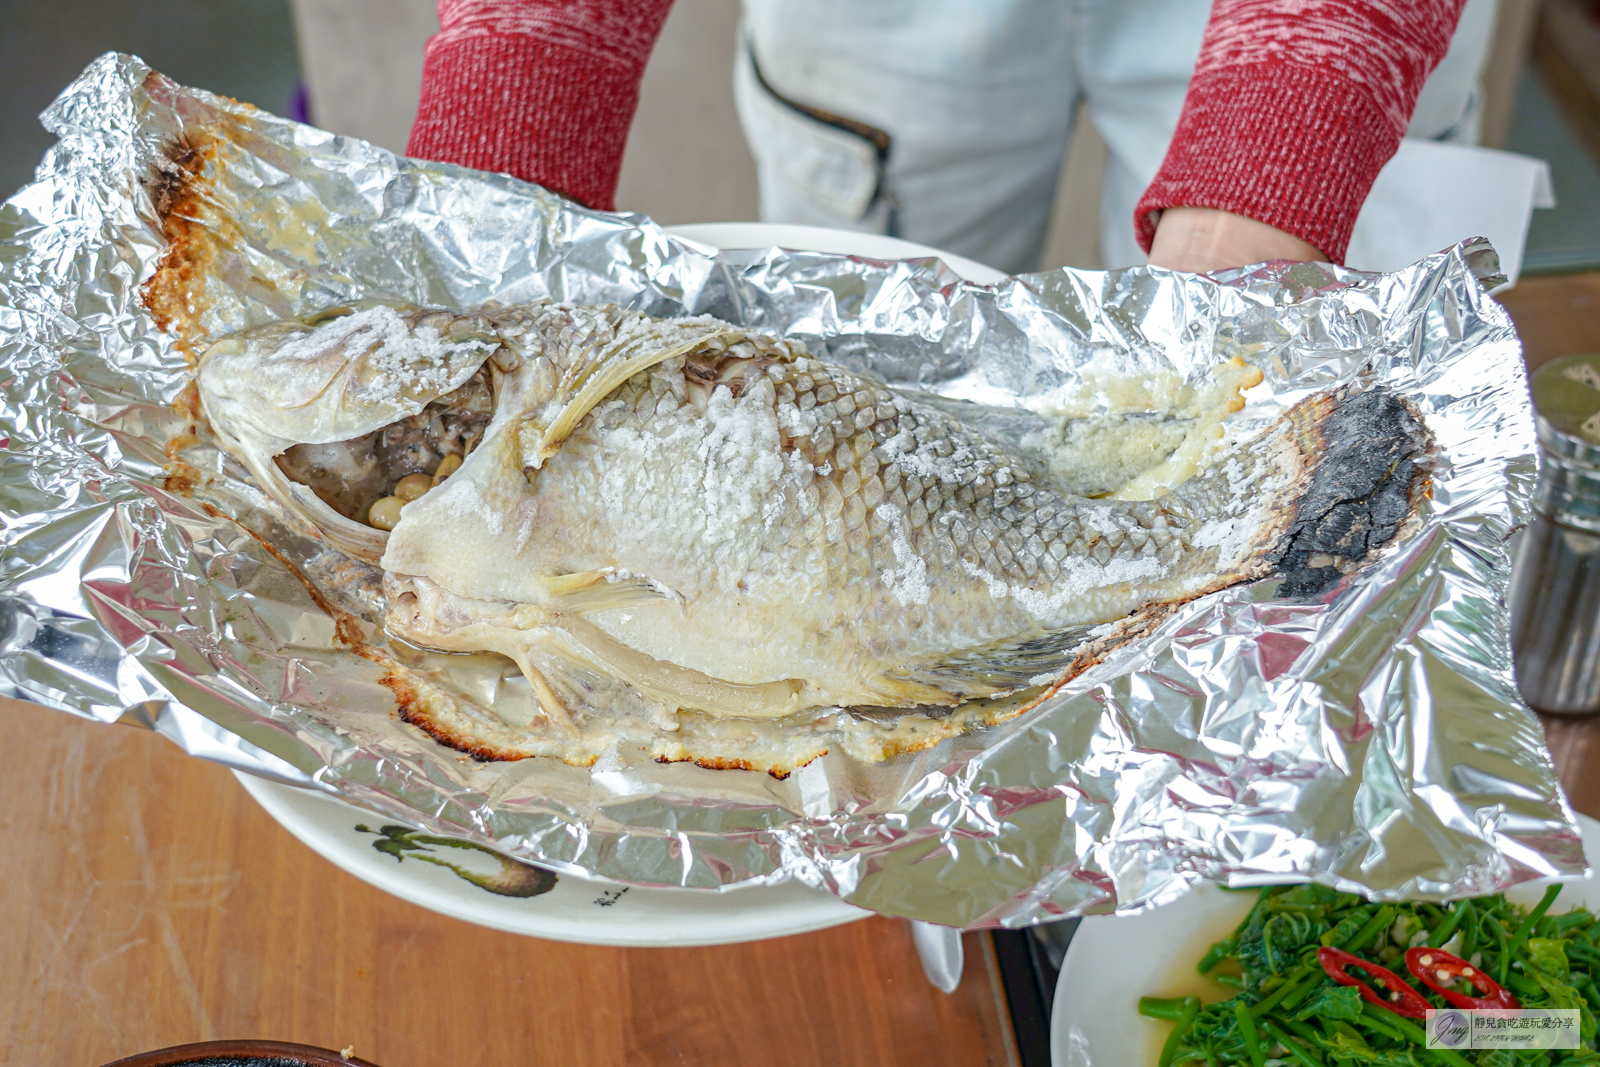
(1003, 666)
(594, 357)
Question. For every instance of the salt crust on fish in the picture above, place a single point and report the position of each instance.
(689, 537)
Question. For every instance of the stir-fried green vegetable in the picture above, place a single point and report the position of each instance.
(1290, 1012)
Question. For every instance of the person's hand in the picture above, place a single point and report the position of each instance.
(1203, 239)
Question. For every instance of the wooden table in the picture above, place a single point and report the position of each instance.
(1575, 744)
(147, 901)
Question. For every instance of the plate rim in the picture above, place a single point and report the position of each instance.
(278, 799)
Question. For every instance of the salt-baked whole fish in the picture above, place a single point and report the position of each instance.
(700, 540)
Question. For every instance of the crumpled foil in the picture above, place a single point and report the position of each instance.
(1371, 739)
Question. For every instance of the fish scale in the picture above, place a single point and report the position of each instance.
(957, 502)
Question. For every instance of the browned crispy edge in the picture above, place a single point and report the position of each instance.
(413, 709)
(175, 290)
(176, 187)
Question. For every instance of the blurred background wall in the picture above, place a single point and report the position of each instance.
(686, 159)
(240, 48)
(359, 63)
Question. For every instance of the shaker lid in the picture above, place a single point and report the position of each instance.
(1566, 399)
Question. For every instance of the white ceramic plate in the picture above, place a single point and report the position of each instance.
(436, 876)
(822, 239)
(451, 879)
(1112, 962)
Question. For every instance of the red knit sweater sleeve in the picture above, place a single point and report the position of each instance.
(1294, 107)
(540, 89)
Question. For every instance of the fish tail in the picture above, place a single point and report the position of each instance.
(1369, 454)
(1315, 495)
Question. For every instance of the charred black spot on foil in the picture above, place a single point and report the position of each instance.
(1360, 493)
(167, 179)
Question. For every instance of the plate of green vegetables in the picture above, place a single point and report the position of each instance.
(1305, 976)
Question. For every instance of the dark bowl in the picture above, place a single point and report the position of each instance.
(241, 1054)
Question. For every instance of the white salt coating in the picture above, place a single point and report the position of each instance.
(631, 474)
(797, 423)
(463, 497)
(1080, 578)
(712, 480)
(398, 358)
(330, 335)
(1073, 598)
(1231, 532)
(958, 468)
(908, 580)
(635, 328)
(924, 462)
(742, 463)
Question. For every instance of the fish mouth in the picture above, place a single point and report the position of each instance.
(354, 476)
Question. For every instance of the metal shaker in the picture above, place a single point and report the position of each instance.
(1555, 588)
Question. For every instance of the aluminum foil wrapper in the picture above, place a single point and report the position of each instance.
(1370, 738)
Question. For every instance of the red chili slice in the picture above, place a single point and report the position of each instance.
(1402, 999)
(1433, 965)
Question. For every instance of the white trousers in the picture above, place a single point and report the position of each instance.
(978, 98)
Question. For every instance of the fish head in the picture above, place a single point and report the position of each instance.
(331, 382)
(329, 413)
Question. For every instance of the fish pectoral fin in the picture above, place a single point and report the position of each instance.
(588, 592)
(527, 647)
(897, 690)
(682, 687)
(1003, 666)
(554, 647)
(550, 702)
(594, 373)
